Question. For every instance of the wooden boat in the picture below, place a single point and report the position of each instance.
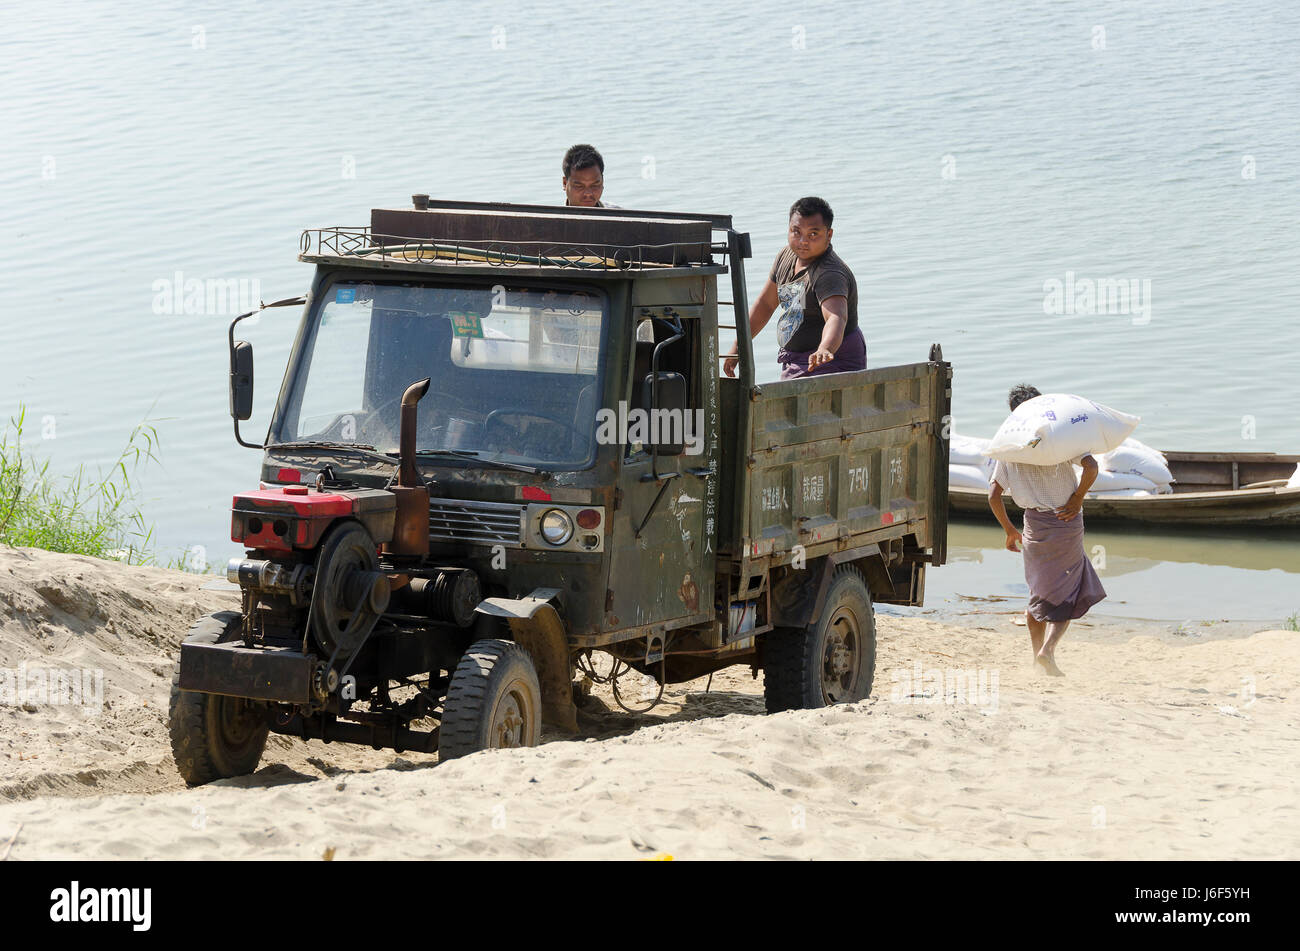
(1210, 489)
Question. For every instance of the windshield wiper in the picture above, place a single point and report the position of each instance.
(471, 454)
(391, 457)
(362, 450)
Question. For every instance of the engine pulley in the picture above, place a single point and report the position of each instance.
(350, 593)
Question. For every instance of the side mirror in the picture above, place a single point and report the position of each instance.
(241, 380)
(667, 402)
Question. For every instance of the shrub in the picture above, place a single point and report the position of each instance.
(79, 514)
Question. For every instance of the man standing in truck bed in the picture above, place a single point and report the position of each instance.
(815, 298)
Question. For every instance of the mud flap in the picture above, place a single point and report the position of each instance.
(535, 625)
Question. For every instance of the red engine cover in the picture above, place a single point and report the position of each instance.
(286, 517)
(298, 500)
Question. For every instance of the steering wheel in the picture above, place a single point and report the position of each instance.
(389, 419)
(495, 415)
(380, 418)
(380, 413)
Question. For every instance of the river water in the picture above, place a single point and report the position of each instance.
(974, 155)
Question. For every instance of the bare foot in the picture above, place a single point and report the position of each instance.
(1048, 663)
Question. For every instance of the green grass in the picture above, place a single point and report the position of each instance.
(80, 514)
(1293, 622)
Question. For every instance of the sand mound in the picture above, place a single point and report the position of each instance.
(1159, 744)
(111, 631)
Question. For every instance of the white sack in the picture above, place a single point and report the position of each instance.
(1107, 481)
(966, 450)
(1137, 458)
(967, 477)
(1054, 427)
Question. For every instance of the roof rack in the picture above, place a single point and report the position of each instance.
(362, 243)
(478, 234)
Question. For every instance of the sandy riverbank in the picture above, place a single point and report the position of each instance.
(1160, 743)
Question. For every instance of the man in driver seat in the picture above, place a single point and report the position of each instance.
(584, 177)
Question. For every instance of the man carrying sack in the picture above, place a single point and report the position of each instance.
(1063, 585)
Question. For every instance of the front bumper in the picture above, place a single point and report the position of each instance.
(257, 673)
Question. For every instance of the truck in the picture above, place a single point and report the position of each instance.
(503, 447)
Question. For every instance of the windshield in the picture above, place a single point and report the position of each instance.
(513, 370)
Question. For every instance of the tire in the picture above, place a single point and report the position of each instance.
(493, 701)
(801, 664)
(213, 736)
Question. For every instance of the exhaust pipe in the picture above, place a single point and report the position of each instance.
(411, 529)
(407, 475)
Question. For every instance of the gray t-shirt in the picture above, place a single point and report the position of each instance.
(1046, 488)
(800, 292)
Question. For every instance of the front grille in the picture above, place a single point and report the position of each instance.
(482, 523)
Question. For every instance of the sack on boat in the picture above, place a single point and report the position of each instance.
(1054, 427)
(1120, 494)
(968, 477)
(965, 450)
(1137, 458)
(1294, 481)
(1108, 481)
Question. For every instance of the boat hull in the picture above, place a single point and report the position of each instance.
(1260, 508)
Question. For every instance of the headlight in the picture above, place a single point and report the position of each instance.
(557, 527)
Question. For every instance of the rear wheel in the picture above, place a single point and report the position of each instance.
(214, 736)
(493, 701)
(830, 661)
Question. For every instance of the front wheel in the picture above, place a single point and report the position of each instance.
(214, 736)
(493, 701)
(830, 661)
